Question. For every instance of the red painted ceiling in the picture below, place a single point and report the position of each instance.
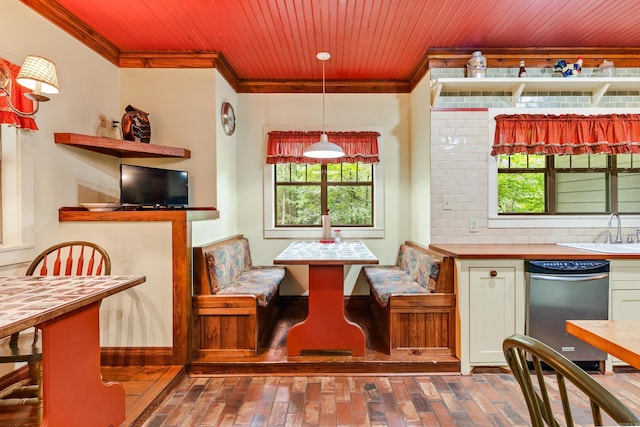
(368, 39)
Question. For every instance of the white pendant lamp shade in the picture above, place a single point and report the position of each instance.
(323, 149)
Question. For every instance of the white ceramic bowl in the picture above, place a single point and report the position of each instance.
(100, 207)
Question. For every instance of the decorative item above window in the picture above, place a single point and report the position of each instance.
(549, 134)
(289, 147)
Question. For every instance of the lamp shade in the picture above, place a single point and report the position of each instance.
(324, 149)
(38, 71)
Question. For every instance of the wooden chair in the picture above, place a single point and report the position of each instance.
(518, 349)
(74, 258)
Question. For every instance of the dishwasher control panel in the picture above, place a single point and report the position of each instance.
(567, 266)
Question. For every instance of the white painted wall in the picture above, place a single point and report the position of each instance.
(390, 112)
(421, 162)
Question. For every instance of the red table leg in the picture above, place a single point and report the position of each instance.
(73, 391)
(326, 327)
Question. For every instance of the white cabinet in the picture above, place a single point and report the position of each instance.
(491, 307)
(624, 296)
(624, 285)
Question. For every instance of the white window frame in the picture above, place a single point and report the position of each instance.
(18, 211)
(375, 232)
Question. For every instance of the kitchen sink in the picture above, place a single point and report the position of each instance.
(609, 248)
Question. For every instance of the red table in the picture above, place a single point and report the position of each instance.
(67, 311)
(326, 327)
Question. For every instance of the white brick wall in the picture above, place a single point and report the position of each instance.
(460, 154)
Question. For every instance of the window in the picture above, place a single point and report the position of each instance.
(298, 190)
(570, 184)
(303, 192)
(16, 197)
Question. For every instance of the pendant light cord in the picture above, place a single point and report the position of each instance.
(323, 94)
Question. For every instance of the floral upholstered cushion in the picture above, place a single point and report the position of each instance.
(226, 263)
(388, 280)
(263, 282)
(420, 266)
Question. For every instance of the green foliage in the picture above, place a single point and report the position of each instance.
(521, 193)
(349, 194)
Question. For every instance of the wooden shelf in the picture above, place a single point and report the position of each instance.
(119, 148)
(597, 86)
(189, 214)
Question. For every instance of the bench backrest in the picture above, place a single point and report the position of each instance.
(219, 264)
(432, 270)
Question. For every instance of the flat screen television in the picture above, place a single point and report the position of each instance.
(153, 187)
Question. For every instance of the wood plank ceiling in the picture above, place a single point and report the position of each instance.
(378, 44)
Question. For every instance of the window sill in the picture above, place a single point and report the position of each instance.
(316, 233)
(11, 255)
(570, 221)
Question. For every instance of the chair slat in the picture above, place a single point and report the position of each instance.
(69, 266)
(43, 269)
(80, 262)
(57, 263)
(91, 262)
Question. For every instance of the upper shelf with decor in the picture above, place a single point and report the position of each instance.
(119, 148)
(597, 86)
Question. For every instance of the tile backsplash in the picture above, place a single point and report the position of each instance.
(460, 167)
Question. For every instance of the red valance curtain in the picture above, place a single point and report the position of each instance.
(567, 134)
(17, 98)
(289, 146)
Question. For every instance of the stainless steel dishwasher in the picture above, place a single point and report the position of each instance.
(560, 290)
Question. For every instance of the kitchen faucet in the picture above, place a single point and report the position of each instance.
(619, 230)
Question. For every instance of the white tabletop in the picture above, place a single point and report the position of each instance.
(314, 252)
(29, 300)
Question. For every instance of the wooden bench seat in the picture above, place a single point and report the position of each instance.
(235, 304)
(413, 302)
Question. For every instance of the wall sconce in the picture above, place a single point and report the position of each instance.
(37, 74)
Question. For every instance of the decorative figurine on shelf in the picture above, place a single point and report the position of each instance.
(135, 125)
(568, 70)
(522, 72)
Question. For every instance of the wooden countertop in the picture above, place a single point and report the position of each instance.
(519, 251)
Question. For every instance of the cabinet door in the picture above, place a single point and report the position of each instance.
(492, 315)
(625, 304)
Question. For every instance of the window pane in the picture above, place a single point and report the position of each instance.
(581, 161)
(298, 205)
(365, 172)
(292, 172)
(582, 192)
(521, 193)
(334, 172)
(350, 204)
(628, 161)
(628, 190)
(624, 160)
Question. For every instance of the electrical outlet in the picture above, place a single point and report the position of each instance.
(473, 225)
(447, 201)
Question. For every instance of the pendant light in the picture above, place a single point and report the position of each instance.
(323, 149)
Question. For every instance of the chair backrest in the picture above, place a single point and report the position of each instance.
(74, 258)
(518, 349)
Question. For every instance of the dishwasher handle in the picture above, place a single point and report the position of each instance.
(570, 277)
